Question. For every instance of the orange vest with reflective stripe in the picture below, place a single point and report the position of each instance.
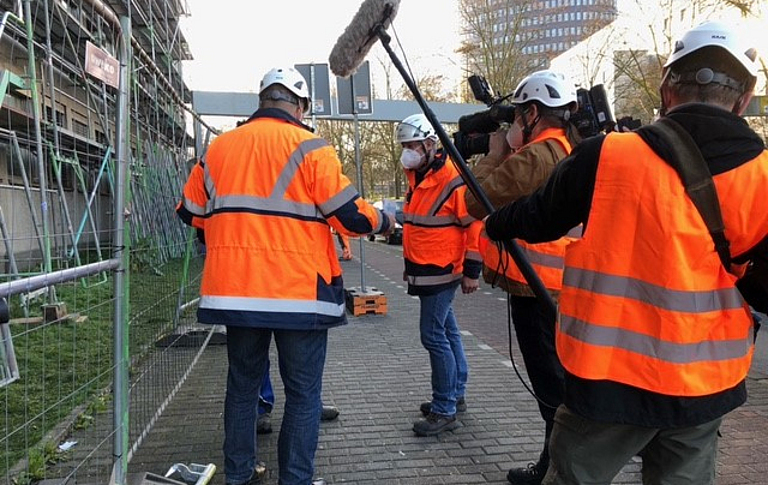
(438, 232)
(266, 192)
(548, 258)
(646, 301)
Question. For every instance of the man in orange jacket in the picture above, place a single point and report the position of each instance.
(654, 336)
(265, 194)
(440, 250)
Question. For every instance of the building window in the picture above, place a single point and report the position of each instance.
(80, 128)
(61, 119)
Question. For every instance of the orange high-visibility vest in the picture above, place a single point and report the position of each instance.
(438, 232)
(547, 258)
(646, 301)
(266, 192)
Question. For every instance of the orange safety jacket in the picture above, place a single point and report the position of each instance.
(547, 258)
(265, 195)
(646, 301)
(440, 238)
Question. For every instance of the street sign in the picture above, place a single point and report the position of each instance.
(319, 87)
(357, 100)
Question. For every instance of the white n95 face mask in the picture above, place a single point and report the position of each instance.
(411, 159)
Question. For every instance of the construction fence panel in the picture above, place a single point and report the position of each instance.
(68, 187)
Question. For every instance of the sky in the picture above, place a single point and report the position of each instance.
(234, 42)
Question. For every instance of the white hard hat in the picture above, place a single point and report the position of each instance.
(290, 78)
(415, 128)
(550, 88)
(715, 34)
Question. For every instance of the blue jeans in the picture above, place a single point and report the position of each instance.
(301, 356)
(440, 336)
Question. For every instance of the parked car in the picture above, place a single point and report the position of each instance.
(395, 207)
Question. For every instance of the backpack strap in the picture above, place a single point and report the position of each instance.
(689, 163)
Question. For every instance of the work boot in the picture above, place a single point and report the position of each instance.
(329, 413)
(258, 474)
(264, 424)
(461, 406)
(434, 424)
(533, 474)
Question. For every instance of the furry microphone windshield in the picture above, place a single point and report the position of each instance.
(360, 35)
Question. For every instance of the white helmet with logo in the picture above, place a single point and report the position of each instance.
(290, 78)
(415, 128)
(715, 34)
(550, 88)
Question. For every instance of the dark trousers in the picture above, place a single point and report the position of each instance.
(536, 339)
(586, 452)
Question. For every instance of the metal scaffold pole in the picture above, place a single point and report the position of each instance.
(44, 208)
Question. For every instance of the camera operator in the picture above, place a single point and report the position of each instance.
(518, 161)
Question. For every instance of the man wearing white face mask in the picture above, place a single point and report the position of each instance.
(519, 160)
(440, 248)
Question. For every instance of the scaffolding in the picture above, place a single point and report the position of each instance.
(96, 269)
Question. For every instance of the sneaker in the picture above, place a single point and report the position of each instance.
(533, 474)
(426, 407)
(329, 413)
(434, 424)
(318, 481)
(264, 424)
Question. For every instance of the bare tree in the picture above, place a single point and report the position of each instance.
(637, 72)
(494, 39)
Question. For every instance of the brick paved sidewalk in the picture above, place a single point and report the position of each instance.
(377, 373)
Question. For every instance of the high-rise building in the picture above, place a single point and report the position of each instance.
(554, 26)
(530, 31)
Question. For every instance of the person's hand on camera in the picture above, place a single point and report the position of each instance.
(498, 147)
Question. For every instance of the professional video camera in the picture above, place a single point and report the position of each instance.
(592, 117)
(474, 129)
(594, 113)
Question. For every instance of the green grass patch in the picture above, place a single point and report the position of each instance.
(64, 365)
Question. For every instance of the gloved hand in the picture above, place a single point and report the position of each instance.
(391, 227)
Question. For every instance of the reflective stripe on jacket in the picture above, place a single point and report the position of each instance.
(548, 258)
(440, 238)
(268, 191)
(646, 301)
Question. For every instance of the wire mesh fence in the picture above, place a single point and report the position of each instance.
(95, 341)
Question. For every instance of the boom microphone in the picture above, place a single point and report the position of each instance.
(360, 35)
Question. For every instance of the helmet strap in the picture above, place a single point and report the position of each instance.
(706, 76)
(275, 95)
(528, 129)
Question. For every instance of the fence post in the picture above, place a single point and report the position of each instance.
(121, 241)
